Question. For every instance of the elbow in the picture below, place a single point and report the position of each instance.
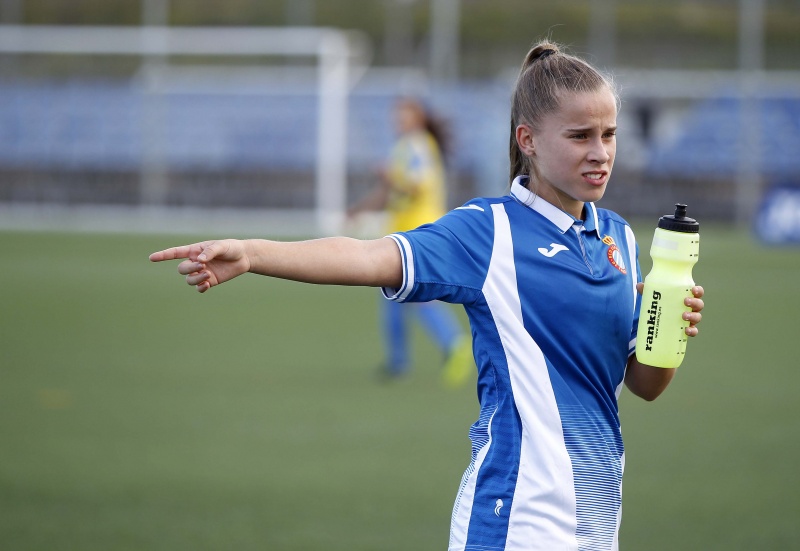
(647, 382)
(649, 395)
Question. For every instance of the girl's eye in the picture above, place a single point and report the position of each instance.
(578, 136)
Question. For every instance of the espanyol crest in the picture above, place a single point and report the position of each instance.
(615, 256)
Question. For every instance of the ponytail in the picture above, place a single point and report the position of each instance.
(518, 161)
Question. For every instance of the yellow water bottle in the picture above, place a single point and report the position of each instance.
(661, 341)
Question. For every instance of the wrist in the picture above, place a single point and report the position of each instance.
(250, 256)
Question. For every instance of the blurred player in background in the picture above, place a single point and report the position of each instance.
(412, 189)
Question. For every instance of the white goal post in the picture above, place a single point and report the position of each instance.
(341, 58)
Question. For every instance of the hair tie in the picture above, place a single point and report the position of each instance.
(547, 52)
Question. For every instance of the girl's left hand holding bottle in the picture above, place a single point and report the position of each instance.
(695, 302)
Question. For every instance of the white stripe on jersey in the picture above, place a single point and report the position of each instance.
(545, 476)
(632, 261)
(407, 261)
(615, 541)
(634, 275)
(462, 511)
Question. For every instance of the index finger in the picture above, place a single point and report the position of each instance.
(184, 251)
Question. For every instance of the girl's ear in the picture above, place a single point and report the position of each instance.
(525, 140)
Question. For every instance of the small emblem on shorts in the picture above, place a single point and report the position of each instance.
(498, 505)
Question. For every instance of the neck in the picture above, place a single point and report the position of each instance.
(571, 206)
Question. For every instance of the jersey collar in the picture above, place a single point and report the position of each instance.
(558, 217)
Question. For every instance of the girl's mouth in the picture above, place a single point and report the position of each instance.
(595, 178)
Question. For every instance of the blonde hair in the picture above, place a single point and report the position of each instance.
(546, 74)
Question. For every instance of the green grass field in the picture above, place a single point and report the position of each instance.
(136, 414)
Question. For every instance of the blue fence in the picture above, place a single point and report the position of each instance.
(100, 125)
(709, 144)
(84, 126)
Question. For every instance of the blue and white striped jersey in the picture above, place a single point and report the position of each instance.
(552, 304)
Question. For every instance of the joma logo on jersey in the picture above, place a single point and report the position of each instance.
(497, 506)
(555, 248)
(652, 321)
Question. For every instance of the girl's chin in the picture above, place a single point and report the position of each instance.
(594, 194)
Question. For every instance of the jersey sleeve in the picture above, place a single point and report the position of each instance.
(448, 259)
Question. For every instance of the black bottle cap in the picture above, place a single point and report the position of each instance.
(679, 221)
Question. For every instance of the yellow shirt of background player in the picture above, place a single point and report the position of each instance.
(417, 180)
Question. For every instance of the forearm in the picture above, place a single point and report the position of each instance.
(333, 260)
(646, 381)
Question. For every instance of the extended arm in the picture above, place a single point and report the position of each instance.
(333, 260)
(649, 382)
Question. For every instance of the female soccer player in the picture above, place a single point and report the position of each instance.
(412, 189)
(553, 314)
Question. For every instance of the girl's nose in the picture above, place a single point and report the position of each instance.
(599, 153)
